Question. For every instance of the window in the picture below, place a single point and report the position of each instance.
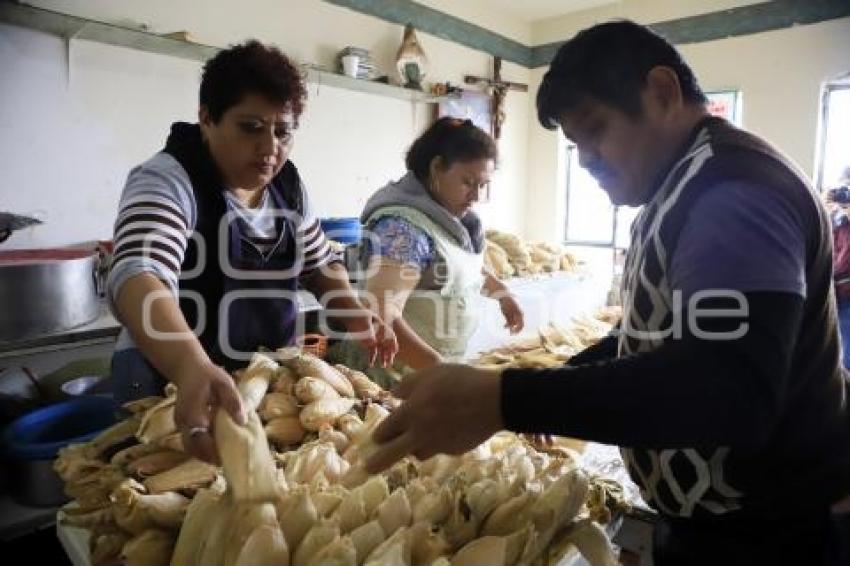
(726, 104)
(834, 147)
(591, 219)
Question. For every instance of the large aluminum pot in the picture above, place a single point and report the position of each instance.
(45, 291)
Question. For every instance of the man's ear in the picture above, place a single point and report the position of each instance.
(204, 117)
(663, 87)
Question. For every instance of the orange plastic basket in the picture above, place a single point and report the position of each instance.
(316, 344)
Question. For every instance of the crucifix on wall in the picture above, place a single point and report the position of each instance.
(498, 90)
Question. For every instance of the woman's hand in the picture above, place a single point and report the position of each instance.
(374, 335)
(203, 389)
(514, 318)
(495, 289)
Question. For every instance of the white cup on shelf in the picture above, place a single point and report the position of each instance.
(350, 63)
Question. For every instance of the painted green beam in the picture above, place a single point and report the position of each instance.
(442, 25)
(745, 20)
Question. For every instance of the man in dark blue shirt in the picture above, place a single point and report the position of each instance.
(723, 385)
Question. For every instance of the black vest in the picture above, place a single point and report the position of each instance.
(246, 300)
(698, 482)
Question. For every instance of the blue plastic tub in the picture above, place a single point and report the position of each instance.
(31, 443)
(342, 230)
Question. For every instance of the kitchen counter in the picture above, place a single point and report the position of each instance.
(18, 520)
(102, 329)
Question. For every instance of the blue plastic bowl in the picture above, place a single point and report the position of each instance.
(40, 434)
(31, 443)
(342, 230)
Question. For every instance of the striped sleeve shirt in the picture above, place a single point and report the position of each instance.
(157, 213)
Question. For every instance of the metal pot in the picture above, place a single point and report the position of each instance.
(46, 291)
(31, 443)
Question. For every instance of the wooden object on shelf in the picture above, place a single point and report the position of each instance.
(183, 35)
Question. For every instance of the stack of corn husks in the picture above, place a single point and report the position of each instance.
(553, 345)
(507, 255)
(292, 488)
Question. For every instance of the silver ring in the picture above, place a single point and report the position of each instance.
(198, 430)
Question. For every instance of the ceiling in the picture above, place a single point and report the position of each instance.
(532, 10)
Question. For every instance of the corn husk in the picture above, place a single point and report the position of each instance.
(340, 552)
(150, 548)
(327, 501)
(265, 546)
(395, 551)
(204, 505)
(191, 474)
(137, 406)
(132, 453)
(105, 548)
(340, 441)
(350, 425)
(156, 463)
(114, 435)
(309, 389)
(426, 543)
(246, 460)
(364, 388)
(245, 519)
(285, 431)
(278, 404)
(588, 538)
(307, 364)
(324, 412)
(367, 538)
(254, 381)
(322, 534)
(297, 515)
(136, 512)
(157, 422)
(485, 550)
(395, 512)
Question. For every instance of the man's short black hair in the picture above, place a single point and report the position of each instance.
(609, 63)
(251, 68)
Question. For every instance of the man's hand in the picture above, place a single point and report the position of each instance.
(449, 408)
(374, 335)
(514, 318)
(201, 391)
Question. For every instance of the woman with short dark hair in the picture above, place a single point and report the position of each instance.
(213, 234)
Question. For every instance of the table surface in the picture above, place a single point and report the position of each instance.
(76, 544)
(18, 520)
(597, 458)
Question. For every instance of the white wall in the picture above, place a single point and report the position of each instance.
(487, 14)
(67, 144)
(780, 74)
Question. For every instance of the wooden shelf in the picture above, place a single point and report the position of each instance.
(74, 27)
(321, 77)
